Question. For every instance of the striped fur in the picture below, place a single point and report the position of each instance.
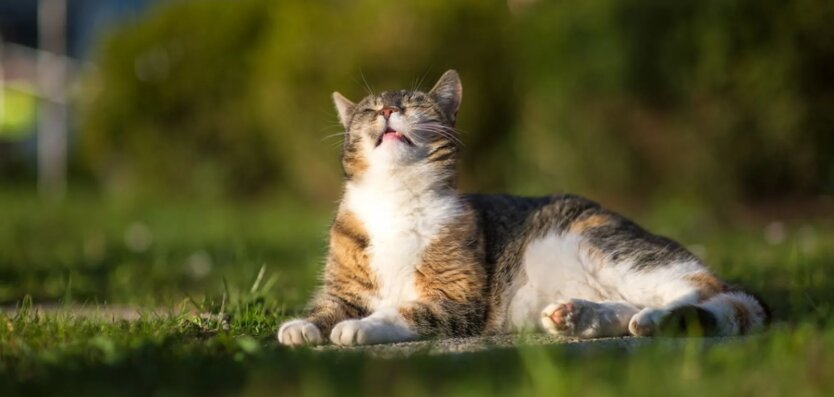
(410, 257)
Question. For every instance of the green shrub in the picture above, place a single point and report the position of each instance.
(712, 99)
(170, 105)
(705, 100)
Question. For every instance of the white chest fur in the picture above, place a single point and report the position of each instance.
(402, 214)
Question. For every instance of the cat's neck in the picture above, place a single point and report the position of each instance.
(389, 199)
(404, 182)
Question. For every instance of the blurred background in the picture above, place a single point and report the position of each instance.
(155, 149)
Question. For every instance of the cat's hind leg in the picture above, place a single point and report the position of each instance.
(707, 307)
(648, 321)
(724, 314)
(585, 319)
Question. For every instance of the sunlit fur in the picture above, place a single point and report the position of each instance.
(410, 257)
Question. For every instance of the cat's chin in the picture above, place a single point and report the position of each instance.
(394, 153)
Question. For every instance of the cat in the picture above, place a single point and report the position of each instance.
(410, 257)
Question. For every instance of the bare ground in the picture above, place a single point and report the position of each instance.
(569, 345)
(100, 312)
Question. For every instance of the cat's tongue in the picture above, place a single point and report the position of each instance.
(391, 135)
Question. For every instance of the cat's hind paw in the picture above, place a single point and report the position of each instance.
(299, 332)
(557, 318)
(574, 317)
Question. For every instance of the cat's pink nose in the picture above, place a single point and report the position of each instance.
(386, 112)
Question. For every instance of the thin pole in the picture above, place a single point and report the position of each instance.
(52, 111)
(2, 85)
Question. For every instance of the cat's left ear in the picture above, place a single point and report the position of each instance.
(344, 107)
(447, 93)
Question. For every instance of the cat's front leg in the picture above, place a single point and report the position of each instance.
(383, 326)
(299, 332)
(326, 311)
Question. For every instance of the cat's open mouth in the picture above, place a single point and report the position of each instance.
(392, 135)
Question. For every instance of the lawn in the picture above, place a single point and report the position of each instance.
(213, 280)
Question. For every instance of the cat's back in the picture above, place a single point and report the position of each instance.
(507, 221)
(506, 210)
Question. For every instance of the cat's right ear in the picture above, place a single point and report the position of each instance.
(344, 107)
(447, 93)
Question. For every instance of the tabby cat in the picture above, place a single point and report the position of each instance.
(410, 257)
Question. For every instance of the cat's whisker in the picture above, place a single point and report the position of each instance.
(444, 131)
(368, 87)
(452, 129)
(438, 125)
(422, 79)
(332, 127)
(453, 139)
(331, 136)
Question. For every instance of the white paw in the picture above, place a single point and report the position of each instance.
(573, 317)
(557, 318)
(647, 321)
(368, 331)
(299, 332)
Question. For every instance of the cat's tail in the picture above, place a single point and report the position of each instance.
(729, 313)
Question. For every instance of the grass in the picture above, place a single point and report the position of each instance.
(250, 266)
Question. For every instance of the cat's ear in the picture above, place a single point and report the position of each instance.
(447, 93)
(344, 107)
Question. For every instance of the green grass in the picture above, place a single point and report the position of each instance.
(253, 265)
(153, 252)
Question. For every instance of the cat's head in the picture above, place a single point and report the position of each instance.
(401, 128)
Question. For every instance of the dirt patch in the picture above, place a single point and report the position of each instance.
(483, 343)
(100, 312)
